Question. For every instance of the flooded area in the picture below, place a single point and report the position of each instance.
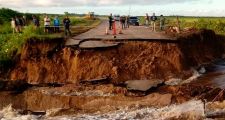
(214, 75)
(106, 101)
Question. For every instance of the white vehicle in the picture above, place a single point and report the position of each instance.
(116, 17)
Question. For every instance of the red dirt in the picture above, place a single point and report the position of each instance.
(40, 62)
(47, 62)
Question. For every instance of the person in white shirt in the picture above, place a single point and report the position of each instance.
(13, 25)
(47, 23)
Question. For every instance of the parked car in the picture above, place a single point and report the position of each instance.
(116, 17)
(134, 21)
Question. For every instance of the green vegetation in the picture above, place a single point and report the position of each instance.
(11, 44)
(6, 28)
(216, 24)
(213, 23)
(6, 14)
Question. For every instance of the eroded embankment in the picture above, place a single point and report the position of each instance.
(46, 62)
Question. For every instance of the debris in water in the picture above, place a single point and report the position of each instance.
(202, 70)
(142, 85)
(191, 110)
(8, 113)
(178, 81)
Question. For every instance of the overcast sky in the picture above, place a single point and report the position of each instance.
(123, 7)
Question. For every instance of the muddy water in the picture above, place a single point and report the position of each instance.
(214, 76)
(43, 99)
(69, 101)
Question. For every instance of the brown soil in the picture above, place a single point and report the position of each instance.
(46, 62)
(38, 99)
(130, 61)
(49, 62)
(187, 92)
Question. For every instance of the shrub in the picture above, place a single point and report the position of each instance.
(6, 14)
(1, 21)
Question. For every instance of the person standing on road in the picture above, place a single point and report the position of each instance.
(128, 21)
(122, 21)
(153, 19)
(66, 22)
(162, 22)
(110, 22)
(147, 20)
(47, 23)
(56, 23)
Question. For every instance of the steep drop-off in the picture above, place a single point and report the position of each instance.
(48, 62)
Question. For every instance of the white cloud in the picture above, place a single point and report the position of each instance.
(168, 7)
(52, 3)
(43, 3)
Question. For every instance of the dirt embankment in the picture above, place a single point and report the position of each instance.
(47, 62)
(201, 47)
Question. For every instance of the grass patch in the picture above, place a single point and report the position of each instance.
(5, 28)
(216, 24)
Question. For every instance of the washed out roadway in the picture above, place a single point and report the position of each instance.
(91, 38)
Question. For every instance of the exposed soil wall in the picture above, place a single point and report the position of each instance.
(201, 47)
(47, 62)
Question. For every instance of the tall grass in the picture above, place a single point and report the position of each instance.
(216, 24)
(11, 44)
(5, 28)
(212, 23)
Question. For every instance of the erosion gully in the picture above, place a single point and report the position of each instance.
(37, 100)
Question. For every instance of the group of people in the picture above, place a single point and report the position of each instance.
(124, 21)
(149, 20)
(152, 20)
(56, 24)
(18, 23)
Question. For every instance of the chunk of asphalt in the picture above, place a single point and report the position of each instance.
(73, 42)
(96, 44)
(142, 85)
